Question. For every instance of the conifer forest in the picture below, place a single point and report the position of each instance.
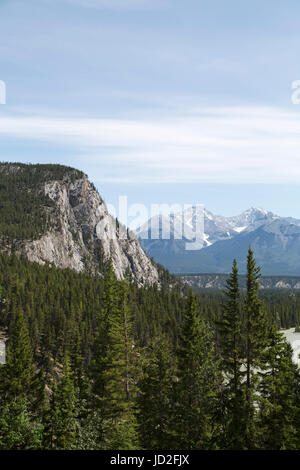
(97, 363)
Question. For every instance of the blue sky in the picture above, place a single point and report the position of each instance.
(162, 100)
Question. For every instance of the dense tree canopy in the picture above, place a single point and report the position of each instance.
(97, 363)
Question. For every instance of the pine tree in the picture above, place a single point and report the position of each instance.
(198, 382)
(296, 420)
(229, 329)
(18, 428)
(156, 397)
(19, 370)
(114, 368)
(255, 343)
(110, 309)
(279, 387)
(61, 420)
(40, 399)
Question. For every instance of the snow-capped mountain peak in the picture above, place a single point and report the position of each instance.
(182, 226)
(223, 238)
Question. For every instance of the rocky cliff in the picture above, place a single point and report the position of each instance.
(80, 234)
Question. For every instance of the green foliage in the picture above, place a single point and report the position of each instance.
(281, 305)
(198, 382)
(19, 369)
(155, 401)
(84, 372)
(259, 399)
(230, 330)
(232, 407)
(114, 367)
(279, 386)
(255, 341)
(61, 419)
(18, 429)
(24, 207)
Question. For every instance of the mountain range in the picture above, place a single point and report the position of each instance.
(274, 239)
(218, 281)
(53, 214)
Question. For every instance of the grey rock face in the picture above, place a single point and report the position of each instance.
(2, 352)
(84, 235)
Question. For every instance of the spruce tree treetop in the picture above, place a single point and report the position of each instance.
(19, 370)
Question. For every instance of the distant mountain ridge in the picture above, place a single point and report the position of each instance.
(218, 281)
(274, 239)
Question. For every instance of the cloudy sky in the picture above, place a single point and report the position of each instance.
(164, 101)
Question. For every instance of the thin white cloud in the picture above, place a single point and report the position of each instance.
(225, 145)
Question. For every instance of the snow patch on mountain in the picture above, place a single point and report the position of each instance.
(206, 239)
(240, 229)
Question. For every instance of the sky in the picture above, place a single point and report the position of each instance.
(162, 101)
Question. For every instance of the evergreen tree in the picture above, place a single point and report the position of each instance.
(40, 399)
(114, 368)
(255, 343)
(110, 309)
(19, 370)
(296, 420)
(18, 429)
(229, 329)
(156, 397)
(45, 311)
(62, 424)
(198, 382)
(279, 387)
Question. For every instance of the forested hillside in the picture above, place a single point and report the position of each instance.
(53, 214)
(24, 207)
(107, 350)
(104, 364)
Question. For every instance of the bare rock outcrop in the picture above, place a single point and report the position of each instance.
(83, 235)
